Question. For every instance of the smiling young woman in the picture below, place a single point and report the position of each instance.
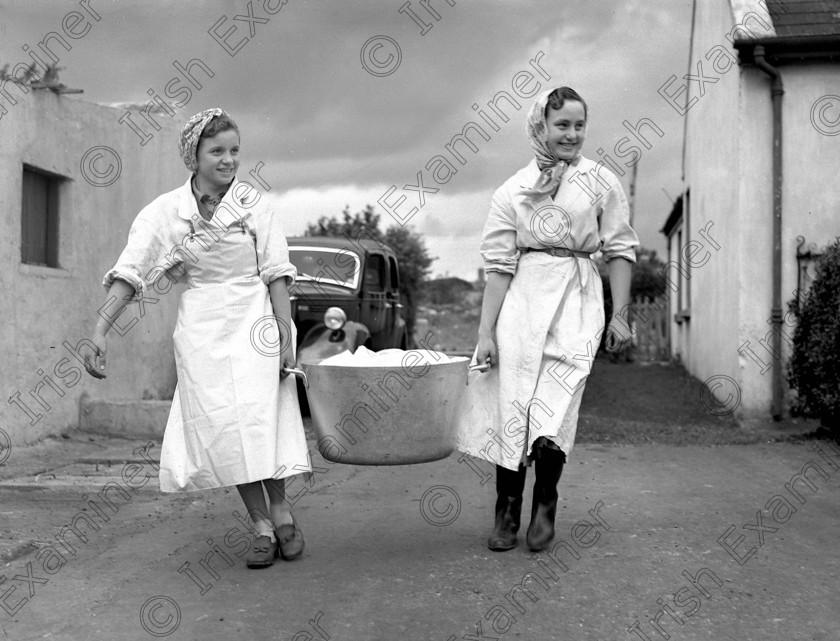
(566, 125)
(235, 418)
(543, 308)
(218, 158)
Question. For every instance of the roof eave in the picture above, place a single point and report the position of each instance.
(791, 49)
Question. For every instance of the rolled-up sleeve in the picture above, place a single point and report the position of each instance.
(498, 243)
(145, 255)
(272, 249)
(618, 240)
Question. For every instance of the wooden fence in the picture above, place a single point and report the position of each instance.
(652, 325)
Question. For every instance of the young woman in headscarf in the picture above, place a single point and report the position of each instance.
(235, 418)
(542, 317)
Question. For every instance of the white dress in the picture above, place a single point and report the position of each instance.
(552, 318)
(232, 420)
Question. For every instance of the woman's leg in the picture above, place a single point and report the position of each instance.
(254, 497)
(509, 486)
(264, 546)
(289, 536)
(280, 509)
(548, 466)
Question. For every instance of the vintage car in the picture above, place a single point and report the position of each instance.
(347, 294)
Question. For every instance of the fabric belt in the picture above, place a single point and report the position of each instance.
(557, 252)
(562, 252)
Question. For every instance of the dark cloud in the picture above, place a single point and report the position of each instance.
(311, 113)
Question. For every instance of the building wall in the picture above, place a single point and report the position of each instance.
(712, 169)
(728, 168)
(811, 197)
(810, 206)
(756, 233)
(44, 308)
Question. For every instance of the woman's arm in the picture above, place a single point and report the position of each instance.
(618, 329)
(278, 291)
(116, 299)
(494, 295)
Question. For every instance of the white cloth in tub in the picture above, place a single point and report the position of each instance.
(363, 357)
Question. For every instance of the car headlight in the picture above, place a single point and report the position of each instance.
(334, 318)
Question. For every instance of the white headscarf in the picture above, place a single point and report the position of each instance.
(191, 134)
(552, 167)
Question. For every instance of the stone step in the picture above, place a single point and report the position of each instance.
(125, 418)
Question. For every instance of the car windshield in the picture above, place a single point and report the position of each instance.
(324, 265)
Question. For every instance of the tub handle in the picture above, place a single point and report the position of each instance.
(298, 372)
(478, 367)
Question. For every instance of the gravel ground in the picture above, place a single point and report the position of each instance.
(630, 403)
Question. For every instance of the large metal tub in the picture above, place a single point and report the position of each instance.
(386, 415)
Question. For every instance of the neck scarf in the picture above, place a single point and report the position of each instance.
(551, 166)
(191, 134)
(209, 202)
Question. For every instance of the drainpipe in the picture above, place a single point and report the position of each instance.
(776, 91)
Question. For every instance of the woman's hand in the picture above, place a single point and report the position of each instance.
(494, 295)
(278, 292)
(485, 351)
(618, 331)
(287, 361)
(119, 293)
(95, 361)
(618, 334)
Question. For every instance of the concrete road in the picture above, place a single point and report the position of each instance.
(653, 543)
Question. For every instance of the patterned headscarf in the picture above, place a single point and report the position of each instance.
(191, 134)
(552, 167)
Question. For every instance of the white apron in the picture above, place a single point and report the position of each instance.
(232, 421)
(547, 334)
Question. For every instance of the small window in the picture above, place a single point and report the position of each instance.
(39, 217)
(375, 273)
(680, 278)
(395, 277)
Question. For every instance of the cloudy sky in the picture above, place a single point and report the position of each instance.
(338, 123)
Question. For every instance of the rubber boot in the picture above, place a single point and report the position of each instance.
(509, 486)
(548, 466)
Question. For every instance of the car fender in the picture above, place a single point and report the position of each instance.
(321, 342)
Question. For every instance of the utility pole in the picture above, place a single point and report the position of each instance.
(632, 198)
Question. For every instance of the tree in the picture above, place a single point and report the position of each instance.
(348, 225)
(415, 264)
(814, 368)
(408, 245)
(648, 283)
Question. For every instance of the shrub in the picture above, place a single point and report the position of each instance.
(446, 291)
(814, 368)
